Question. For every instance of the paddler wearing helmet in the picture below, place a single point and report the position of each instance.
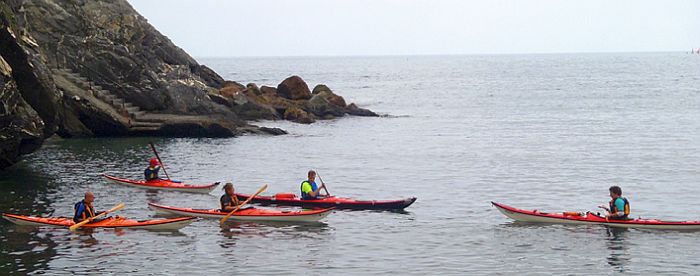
(151, 173)
(619, 207)
(309, 189)
(229, 200)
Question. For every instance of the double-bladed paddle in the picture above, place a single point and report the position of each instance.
(244, 203)
(88, 220)
(324, 184)
(159, 161)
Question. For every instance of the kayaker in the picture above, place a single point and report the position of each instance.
(309, 190)
(229, 200)
(619, 207)
(83, 209)
(151, 173)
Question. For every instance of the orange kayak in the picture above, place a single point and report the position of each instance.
(248, 214)
(110, 222)
(163, 184)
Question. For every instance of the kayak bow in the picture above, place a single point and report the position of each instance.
(162, 184)
(591, 218)
(247, 214)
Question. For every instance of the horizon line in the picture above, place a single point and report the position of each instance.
(450, 54)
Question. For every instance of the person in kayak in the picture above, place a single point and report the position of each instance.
(619, 207)
(229, 200)
(83, 209)
(309, 189)
(151, 173)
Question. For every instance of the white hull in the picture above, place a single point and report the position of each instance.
(187, 190)
(299, 218)
(540, 219)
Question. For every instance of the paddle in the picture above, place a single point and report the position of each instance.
(79, 224)
(159, 161)
(244, 203)
(324, 184)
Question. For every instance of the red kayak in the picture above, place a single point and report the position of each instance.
(286, 199)
(591, 218)
(163, 184)
(248, 214)
(110, 222)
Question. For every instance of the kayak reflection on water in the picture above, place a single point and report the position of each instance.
(233, 230)
(619, 257)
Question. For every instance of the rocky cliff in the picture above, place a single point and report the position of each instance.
(98, 68)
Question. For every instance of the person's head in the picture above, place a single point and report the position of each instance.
(228, 188)
(615, 191)
(312, 175)
(89, 197)
(153, 162)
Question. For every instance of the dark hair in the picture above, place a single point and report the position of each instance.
(616, 190)
(311, 172)
(229, 184)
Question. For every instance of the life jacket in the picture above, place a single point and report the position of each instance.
(313, 188)
(232, 202)
(151, 173)
(613, 208)
(82, 211)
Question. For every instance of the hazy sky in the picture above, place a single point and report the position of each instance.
(219, 28)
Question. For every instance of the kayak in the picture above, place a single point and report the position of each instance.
(247, 214)
(287, 199)
(110, 222)
(163, 184)
(591, 218)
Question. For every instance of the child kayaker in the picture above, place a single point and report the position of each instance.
(619, 207)
(309, 190)
(229, 200)
(151, 173)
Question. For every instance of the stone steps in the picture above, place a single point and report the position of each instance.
(146, 129)
(145, 124)
(102, 94)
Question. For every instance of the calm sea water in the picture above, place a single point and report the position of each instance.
(550, 132)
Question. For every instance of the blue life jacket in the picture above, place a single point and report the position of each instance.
(151, 174)
(82, 211)
(313, 188)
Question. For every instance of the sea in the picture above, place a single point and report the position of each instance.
(550, 132)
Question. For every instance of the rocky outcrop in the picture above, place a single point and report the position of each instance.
(81, 68)
(269, 103)
(22, 128)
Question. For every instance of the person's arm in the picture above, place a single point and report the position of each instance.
(317, 192)
(80, 213)
(620, 206)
